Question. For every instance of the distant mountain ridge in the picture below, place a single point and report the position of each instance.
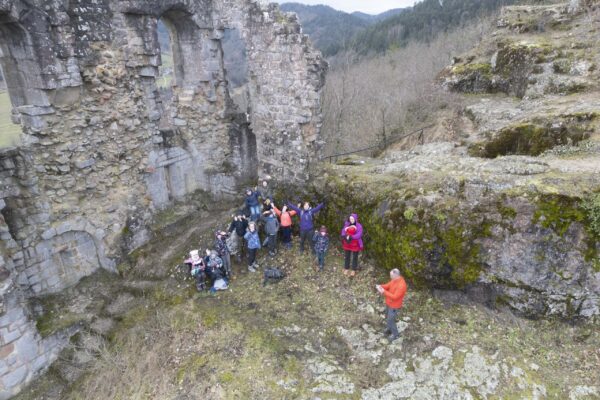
(422, 22)
(329, 29)
(378, 17)
(332, 31)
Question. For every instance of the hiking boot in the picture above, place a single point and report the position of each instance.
(346, 272)
(251, 269)
(353, 273)
(392, 338)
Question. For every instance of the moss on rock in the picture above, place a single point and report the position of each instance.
(558, 212)
(531, 138)
(433, 245)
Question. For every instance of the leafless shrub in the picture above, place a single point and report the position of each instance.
(393, 93)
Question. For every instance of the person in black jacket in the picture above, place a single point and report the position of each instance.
(239, 226)
(223, 251)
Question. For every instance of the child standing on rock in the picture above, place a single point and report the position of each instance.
(321, 245)
(352, 243)
(253, 204)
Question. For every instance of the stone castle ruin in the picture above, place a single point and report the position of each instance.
(103, 150)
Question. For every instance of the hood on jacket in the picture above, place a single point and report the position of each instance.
(355, 218)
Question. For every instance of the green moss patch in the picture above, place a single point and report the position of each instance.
(531, 138)
(433, 245)
(484, 69)
(558, 212)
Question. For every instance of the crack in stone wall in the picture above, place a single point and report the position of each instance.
(101, 148)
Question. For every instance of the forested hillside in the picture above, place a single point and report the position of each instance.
(334, 31)
(329, 29)
(422, 22)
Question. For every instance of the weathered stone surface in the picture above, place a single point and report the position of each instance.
(104, 151)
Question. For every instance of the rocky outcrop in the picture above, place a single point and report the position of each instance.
(513, 231)
(104, 151)
(535, 81)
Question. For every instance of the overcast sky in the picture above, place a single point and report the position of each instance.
(366, 6)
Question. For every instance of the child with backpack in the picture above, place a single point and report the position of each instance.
(321, 245)
(285, 222)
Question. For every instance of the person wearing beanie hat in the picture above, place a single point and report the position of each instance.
(321, 245)
(352, 243)
(197, 269)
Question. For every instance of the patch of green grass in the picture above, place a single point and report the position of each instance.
(484, 69)
(591, 206)
(52, 322)
(191, 368)
(10, 134)
(164, 80)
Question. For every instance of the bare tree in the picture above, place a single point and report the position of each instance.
(374, 98)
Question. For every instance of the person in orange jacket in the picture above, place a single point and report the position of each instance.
(394, 292)
(285, 221)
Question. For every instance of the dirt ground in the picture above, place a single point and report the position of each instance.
(149, 335)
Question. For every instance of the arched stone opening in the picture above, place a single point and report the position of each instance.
(21, 75)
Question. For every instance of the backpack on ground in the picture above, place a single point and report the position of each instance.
(273, 275)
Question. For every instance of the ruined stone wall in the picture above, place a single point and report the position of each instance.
(103, 151)
(23, 352)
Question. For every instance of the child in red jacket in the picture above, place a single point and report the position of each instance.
(352, 243)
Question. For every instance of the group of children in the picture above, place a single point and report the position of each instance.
(243, 237)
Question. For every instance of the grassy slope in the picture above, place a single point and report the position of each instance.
(165, 81)
(9, 132)
(172, 342)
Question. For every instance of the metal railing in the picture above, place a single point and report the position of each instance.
(387, 141)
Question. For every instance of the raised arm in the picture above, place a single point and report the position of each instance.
(277, 211)
(318, 208)
(293, 207)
